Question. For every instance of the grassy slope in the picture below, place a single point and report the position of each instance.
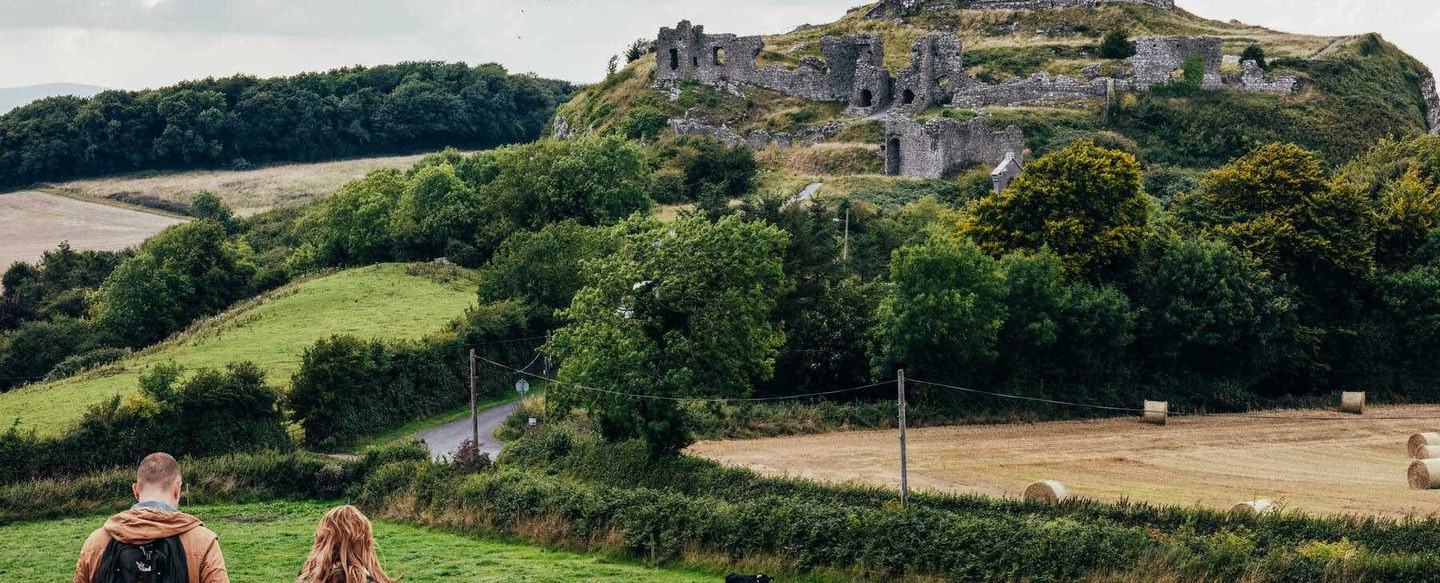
(273, 331)
(268, 542)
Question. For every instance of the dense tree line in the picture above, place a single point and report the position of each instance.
(240, 121)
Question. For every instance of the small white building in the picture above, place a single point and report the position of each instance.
(1006, 172)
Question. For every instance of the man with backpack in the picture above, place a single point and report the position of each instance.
(153, 542)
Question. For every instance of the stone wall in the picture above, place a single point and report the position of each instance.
(937, 69)
(1157, 58)
(1038, 89)
(758, 139)
(902, 8)
(1432, 102)
(725, 60)
(1254, 79)
(938, 147)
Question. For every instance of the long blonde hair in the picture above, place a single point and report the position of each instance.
(344, 550)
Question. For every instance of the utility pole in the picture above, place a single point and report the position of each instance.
(548, 334)
(904, 475)
(474, 414)
(845, 250)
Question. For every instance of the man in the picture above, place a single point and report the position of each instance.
(153, 541)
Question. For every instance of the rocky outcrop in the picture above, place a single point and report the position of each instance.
(1432, 102)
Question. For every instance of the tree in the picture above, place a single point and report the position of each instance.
(680, 310)
(944, 311)
(705, 166)
(1278, 204)
(1117, 45)
(354, 226)
(435, 208)
(1083, 202)
(543, 269)
(1207, 311)
(185, 272)
(1254, 53)
(207, 205)
(1407, 211)
(595, 181)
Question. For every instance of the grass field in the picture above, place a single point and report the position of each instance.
(379, 301)
(246, 191)
(34, 222)
(268, 542)
(1340, 465)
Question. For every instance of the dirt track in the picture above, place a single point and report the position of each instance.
(1354, 466)
(33, 222)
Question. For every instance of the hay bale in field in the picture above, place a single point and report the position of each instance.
(1426, 452)
(1047, 491)
(1424, 474)
(1418, 442)
(1352, 402)
(1156, 412)
(1257, 507)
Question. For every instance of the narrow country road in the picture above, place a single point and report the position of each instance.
(805, 194)
(445, 439)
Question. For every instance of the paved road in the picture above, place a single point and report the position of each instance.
(445, 439)
(805, 194)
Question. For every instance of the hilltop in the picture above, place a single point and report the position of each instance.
(1046, 72)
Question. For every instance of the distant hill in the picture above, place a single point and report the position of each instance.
(13, 97)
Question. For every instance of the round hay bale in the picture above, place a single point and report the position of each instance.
(1352, 402)
(1256, 507)
(1418, 442)
(1047, 491)
(1424, 474)
(1426, 452)
(1156, 412)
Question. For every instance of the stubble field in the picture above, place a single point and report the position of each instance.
(34, 222)
(1318, 462)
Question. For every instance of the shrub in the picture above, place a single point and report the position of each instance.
(1117, 45)
(469, 459)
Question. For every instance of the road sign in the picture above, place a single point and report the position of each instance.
(522, 386)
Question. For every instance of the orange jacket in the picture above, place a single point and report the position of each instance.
(136, 527)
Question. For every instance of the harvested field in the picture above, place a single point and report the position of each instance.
(246, 191)
(34, 222)
(1341, 464)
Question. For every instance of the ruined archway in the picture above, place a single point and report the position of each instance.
(908, 97)
(719, 56)
(674, 59)
(866, 98)
(892, 157)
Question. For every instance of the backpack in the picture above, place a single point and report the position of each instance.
(160, 561)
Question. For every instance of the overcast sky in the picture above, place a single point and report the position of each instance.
(147, 43)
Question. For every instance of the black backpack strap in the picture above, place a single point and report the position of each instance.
(179, 567)
(108, 559)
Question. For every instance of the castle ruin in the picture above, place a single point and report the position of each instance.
(941, 146)
(852, 71)
(902, 8)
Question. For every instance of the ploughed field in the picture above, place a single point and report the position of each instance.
(1336, 465)
(34, 222)
(380, 301)
(269, 541)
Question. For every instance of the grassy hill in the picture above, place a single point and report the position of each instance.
(1352, 91)
(273, 330)
(268, 542)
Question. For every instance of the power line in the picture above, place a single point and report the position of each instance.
(682, 399)
(1024, 398)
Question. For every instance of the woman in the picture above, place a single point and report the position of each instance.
(344, 551)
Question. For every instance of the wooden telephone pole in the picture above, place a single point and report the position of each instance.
(904, 474)
(474, 414)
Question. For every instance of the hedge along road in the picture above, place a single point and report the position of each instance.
(445, 439)
(34, 222)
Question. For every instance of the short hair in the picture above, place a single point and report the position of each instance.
(157, 469)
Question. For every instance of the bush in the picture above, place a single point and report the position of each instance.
(86, 361)
(1117, 45)
(212, 413)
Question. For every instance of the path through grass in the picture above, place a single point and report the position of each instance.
(379, 301)
(268, 542)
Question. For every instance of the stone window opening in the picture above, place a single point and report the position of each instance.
(944, 83)
(866, 98)
(908, 97)
(695, 62)
(719, 56)
(674, 59)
